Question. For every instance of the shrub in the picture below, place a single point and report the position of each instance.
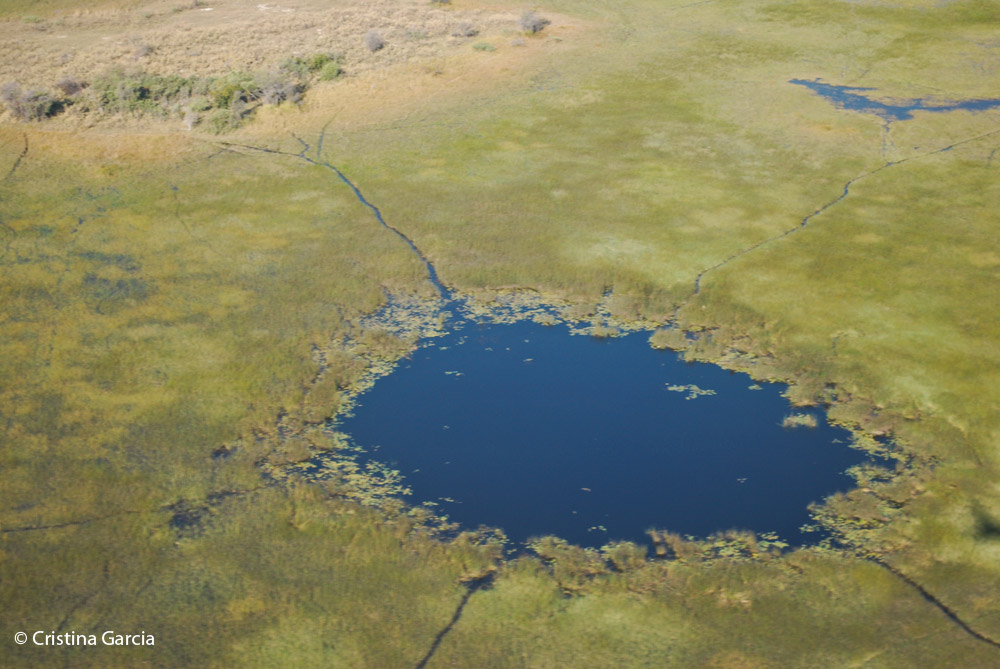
(138, 92)
(70, 86)
(320, 60)
(200, 104)
(325, 65)
(276, 89)
(374, 41)
(533, 23)
(229, 98)
(222, 120)
(484, 46)
(232, 87)
(39, 104)
(464, 29)
(294, 66)
(33, 105)
(330, 71)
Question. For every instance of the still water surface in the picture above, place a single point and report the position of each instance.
(865, 100)
(530, 429)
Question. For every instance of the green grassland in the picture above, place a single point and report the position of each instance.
(179, 315)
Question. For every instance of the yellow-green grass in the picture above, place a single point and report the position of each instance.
(169, 321)
(31, 10)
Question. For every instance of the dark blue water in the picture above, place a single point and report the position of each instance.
(856, 99)
(538, 432)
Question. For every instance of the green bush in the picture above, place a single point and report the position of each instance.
(234, 86)
(138, 92)
(200, 104)
(222, 121)
(330, 71)
(320, 60)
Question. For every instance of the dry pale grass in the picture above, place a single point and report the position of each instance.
(213, 38)
(417, 71)
(406, 92)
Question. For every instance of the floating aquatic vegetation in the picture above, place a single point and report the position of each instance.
(508, 307)
(693, 391)
(511, 306)
(605, 331)
(385, 336)
(800, 420)
(370, 484)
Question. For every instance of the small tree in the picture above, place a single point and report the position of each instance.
(532, 22)
(374, 41)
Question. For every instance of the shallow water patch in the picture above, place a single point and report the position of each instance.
(854, 98)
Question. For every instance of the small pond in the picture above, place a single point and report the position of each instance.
(860, 99)
(536, 431)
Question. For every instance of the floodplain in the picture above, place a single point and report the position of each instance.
(185, 307)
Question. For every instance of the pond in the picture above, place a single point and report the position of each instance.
(537, 431)
(858, 99)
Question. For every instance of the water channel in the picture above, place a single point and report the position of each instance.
(860, 99)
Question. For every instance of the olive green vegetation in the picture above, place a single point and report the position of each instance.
(33, 11)
(174, 335)
(224, 102)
